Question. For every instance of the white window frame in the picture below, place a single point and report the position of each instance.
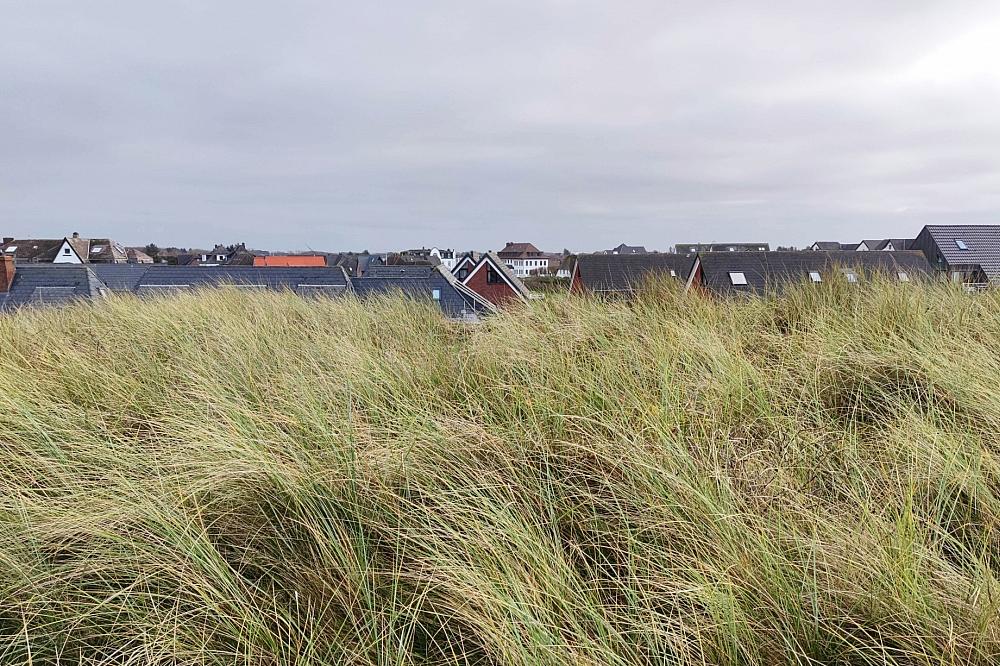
(738, 278)
(815, 276)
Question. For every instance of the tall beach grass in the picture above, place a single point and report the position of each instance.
(234, 478)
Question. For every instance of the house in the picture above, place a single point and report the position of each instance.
(36, 284)
(291, 260)
(494, 280)
(524, 259)
(966, 253)
(761, 272)
(885, 245)
(220, 255)
(464, 264)
(425, 283)
(627, 249)
(832, 246)
(622, 274)
(69, 250)
(137, 256)
(695, 248)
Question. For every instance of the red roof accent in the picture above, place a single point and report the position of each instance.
(286, 260)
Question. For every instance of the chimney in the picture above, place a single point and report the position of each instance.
(76, 234)
(8, 239)
(6, 273)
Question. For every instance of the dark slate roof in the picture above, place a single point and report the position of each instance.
(159, 277)
(691, 248)
(831, 246)
(51, 284)
(983, 241)
(765, 271)
(628, 249)
(455, 299)
(622, 273)
(121, 277)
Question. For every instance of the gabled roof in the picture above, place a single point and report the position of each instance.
(467, 260)
(628, 249)
(33, 249)
(829, 246)
(691, 248)
(982, 241)
(759, 272)
(519, 249)
(622, 273)
(420, 282)
(287, 260)
(493, 261)
(51, 284)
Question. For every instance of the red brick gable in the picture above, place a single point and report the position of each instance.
(499, 293)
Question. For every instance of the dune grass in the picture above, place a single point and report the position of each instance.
(258, 479)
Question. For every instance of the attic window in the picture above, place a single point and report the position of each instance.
(673, 273)
(851, 276)
(97, 249)
(961, 244)
(12, 249)
(66, 250)
(436, 294)
(737, 278)
(903, 277)
(815, 276)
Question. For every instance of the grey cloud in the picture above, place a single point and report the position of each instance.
(580, 124)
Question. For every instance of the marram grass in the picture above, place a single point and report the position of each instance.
(233, 478)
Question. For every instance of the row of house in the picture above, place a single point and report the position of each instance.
(967, 254)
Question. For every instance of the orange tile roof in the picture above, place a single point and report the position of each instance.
(290, 260)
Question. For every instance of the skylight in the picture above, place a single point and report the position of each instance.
(12, 249)
(961, 244)
(815, 276)
(673, 273)
(97, 249)
(903, 277)
(851, 276)
(737, 278)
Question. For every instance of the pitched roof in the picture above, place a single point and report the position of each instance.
(519, 249)
(982, 241)
(420, 282)
(830, 246)
(290, 260)
(33, 249)
(628, 249)
(492, 260)
(763, 271)
(51, 284)
(690, 248)
(160, 277)
(621, 273)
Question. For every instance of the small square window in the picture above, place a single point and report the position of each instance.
(436, 294)
(66, 250)
(961, 244)
(737, 278)
(815, 276)
(903, 277)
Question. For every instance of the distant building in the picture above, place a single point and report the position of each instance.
(138, 256)
(494, 280)
(524, 259)
(885, 245)
(299, 260)
(431, 256)
(433, 284)
(965, 253)
(68, 250)
(695, 248)
(627, 249)
(622, 274)
(726, 273)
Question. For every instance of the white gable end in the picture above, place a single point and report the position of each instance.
(67, 255)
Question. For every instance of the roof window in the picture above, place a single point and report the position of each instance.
(737, 278)
(815, 276)
(961, 244)
(851, 276)
(97, 249)
(903, 277)
(12, 249)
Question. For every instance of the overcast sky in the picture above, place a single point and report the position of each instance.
(463, 123)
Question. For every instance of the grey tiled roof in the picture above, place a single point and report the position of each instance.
(51, 284)
(765, 271)
(272, 277)
(691, 248)
(455, 299)
(982, 241)
(620, 273)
